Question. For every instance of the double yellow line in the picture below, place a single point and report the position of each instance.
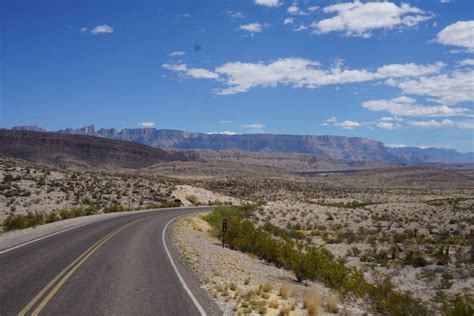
(55, 284)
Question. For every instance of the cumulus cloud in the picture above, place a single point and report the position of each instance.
(431, 123)
(459, 34)
(177, 53)
(268, 3)
(388, 125)
(361, 19)
(346, 124)
(406, 106)
(84, 29)
(289, 21)
(102, 29)
(252, 27)
(295, 10)
(447, 88)
(147, 124)
(238, 77)
(299, 72)
(197, 73)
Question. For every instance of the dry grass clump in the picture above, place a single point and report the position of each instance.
(266, 287)
(286, 309)
(311, 303)
(274, 304)
(247, 281)
(285, 290)
(332, 303)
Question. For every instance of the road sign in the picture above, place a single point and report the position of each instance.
(224, 230)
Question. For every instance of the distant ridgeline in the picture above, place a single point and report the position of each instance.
(334, 147)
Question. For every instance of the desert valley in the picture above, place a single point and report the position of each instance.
(388, 237)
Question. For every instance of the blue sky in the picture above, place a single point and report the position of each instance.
(398, 72)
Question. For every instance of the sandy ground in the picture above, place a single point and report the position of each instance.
(186, 193)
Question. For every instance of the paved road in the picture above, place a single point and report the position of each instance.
(118, 266)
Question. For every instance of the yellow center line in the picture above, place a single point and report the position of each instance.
(71, 268)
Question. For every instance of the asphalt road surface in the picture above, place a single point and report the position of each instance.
(120, 266)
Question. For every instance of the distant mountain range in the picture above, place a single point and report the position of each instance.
(341, 148)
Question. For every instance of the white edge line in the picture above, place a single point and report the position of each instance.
(80, 225)
(191, 295)
(41, 238)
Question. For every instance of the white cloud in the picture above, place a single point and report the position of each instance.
(147, 124)
(459, 34)
(254, 126)
(446, 1)
(236, 14)
(360, 19)
(177, 53)
(268, 3)
(84, 29)
(102, 29)
(197, 73)
(448, 88)
(240, 77)
(299, 72)
(313, 8)
(431, 123)
(348, 124)
(406, 106)
(295, 10)
(466, 62)
(289, 21)
(252, 27)
(230, 133)
(300, 28)
(226, 122)
(388, 125)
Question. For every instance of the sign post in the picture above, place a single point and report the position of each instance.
(224, 230)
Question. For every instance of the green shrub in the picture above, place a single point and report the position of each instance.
(460, 305)
(22, 221)
(415, 258)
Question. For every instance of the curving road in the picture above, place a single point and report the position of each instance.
(119, 266)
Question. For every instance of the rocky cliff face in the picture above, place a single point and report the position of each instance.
(334, 147)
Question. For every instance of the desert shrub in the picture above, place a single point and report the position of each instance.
(459, 305)
(52, 217)
(415, 258)
(114, 208)
(285, 290)
(309, 262)
(173, 203)
(22, 221)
